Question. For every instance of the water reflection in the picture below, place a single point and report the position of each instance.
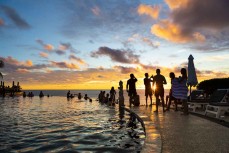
(55, 124)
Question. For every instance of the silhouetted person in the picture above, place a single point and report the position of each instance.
(106, 99)
(24, 94)
(86, 97)
(112, 95)
(174, 82)
(148, 89)
(79, 96)
(131, 87)
(71, 96)
(68, 94)
(30, 94)
(184, 90)
(41, 94)
(100, 96)
(159, 91)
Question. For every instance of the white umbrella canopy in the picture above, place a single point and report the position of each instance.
(192, 79)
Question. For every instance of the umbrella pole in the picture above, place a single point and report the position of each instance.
(190, 93)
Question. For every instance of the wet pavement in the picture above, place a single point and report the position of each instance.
(170, 132)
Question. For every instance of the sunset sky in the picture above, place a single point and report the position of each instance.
(93, 44)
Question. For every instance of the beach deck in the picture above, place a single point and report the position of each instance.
(171, 132)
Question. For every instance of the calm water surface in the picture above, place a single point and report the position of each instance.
(56, 124)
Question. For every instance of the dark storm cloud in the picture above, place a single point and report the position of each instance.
(122, 56)
(15, 17)
(202, 14)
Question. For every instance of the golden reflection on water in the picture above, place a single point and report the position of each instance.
(55, 123)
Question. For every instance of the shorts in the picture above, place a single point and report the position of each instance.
(159, 92)
(148, 91)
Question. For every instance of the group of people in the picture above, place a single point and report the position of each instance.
(178, 91)
(30, 94)
(79, 96)
(108, 98)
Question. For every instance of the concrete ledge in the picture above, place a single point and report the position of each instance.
(153, 142)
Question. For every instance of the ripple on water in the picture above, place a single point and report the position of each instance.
(57, 125)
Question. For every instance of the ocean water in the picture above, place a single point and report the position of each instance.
(94, 94)
(56, 124)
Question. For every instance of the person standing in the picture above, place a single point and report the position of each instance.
(148, 89)
(112, 95)
(183, 90)
(131, 87)
(174, 84)
(159, 91)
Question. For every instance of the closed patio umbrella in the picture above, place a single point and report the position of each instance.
(192, 79)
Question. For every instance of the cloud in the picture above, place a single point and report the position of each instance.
(28, 63)
(216, 58)
(173, 32)
(47, 47)
(15, 17)
(152, 11)
(121, 56)
(12, 65)
(65, 65)
(197, 14)
(19, 70)
(79, 60)
(150, 42)
(148, 67)
(136, 38)
(174, 4)
(125, 70)
(67, 46)
(43, 54)
(192, 21)
(60, 52)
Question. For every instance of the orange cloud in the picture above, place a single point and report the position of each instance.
(43, 54)
(65, 65)
(173, 32)
(1, 22)
(48, 47)
(29, 63)
(173, 4)
(152, 11)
